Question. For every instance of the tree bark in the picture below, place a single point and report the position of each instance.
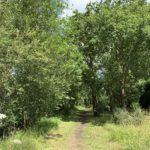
(123, 94)
(94, 102)
(111, 100)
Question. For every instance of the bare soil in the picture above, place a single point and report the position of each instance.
(76, 139)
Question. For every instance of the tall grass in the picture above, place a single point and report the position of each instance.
(48, 134)
(31, 139)
(130, 136)
(112, 136)
(28, 142)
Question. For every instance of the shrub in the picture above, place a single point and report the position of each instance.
(124, 117)
(138, 116)
(135, 105)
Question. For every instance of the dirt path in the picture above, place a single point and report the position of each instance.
(76, 139)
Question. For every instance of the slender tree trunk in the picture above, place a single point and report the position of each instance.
(94, 102)
(123, 103)
(112, 103)
(93, 85)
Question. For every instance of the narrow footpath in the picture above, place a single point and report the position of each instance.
(76, 139)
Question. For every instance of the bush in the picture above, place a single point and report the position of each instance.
(124, 117)
(135, 105)
(138, 116)
(7, 125)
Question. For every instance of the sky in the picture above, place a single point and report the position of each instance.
(77, 4)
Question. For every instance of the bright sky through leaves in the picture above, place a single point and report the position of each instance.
(79, 5)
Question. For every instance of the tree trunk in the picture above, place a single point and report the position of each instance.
(94, 102)
(123, 103)
(112, 102)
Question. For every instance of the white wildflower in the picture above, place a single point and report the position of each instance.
(17, 141)
(2, 116)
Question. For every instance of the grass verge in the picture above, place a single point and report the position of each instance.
(48, 134)
(102, 134)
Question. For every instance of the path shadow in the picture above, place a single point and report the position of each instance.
(78, 116)
(86, 116)
(102, 119)
(44, 126)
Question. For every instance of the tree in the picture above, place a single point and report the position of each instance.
(113, 37)
(38, 65)
(128, 48)
(83, 25)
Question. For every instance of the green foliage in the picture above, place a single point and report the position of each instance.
(145, 96)
(138, 116)
(114, 39)
(122, 117)
(39, 67)
(46, 124)
(135, 106)
(127, 118)
(49, 64)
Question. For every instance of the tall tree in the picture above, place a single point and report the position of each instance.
(113, 37)
(38, 65)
